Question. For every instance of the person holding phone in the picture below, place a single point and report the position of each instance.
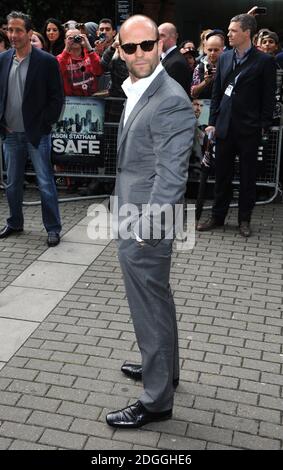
(254, 11)
(105, 35)
(204, 73)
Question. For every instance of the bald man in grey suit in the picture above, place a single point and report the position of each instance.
(154, 144)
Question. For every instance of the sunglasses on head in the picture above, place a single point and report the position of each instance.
(146, 46)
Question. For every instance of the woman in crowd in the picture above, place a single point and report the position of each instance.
(188, 49)
(270, 43)
(4, 41)
(37, 40)
(201, 48)
(54, 34)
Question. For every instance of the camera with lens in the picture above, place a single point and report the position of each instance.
(209, 69)
(102, 37)
(77, 39)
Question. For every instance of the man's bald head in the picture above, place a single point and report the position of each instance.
(168, 34)
(137, 20)
(139, 32)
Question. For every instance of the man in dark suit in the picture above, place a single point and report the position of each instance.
(31, 98)
(243, 99)
(173, 61)
(154, 142)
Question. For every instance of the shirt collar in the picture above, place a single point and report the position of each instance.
(142, 84)
(27, 57)
(246, 52)
(164, 54)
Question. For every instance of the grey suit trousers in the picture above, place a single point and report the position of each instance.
(146, 271)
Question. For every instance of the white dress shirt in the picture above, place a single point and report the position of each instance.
(164, 54)
(134, 90)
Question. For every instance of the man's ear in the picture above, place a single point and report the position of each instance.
(160, 46)
(121, 52)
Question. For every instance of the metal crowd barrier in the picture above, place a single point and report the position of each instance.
(269, 153)
(268, 165)
(86, 171)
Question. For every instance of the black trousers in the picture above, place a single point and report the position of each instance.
(246, 146)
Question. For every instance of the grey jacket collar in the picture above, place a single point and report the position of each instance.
(153, 87)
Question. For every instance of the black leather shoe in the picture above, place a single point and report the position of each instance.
(245, 229)
(7, 231)
(209, 224)
(134, 371)
(135, 416)
(53, 239)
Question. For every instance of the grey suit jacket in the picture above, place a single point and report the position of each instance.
(153, 151)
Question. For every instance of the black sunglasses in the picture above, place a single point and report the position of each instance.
(146, 46)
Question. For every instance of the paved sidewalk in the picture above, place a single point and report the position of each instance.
(65, 330)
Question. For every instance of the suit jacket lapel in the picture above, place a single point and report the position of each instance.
(247, 66)
(121, 123)
(32, 68)
(140, 104)
(228, 65)
(5, 70)
(168, 56)
(137, 109)
(7, 65)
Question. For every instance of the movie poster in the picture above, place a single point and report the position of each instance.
(77, 137)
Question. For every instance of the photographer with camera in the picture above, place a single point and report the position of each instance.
(204, 73)
(79, 65)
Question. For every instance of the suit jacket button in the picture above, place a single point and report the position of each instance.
(119, 170)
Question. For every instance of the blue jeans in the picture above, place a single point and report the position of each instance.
(16, 149)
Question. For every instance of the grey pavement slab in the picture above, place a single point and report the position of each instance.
(50, 275)
(13, 333)
(86, 221)
(228, 293)
(79, 234)
(25, 303)
(73, 253)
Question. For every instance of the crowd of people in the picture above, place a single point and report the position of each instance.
(89, 60)
(164, 85)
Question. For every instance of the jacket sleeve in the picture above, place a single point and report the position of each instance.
(63, 58)
(97, 68)
(107, 58)
(55, 93)
(268, 91)
(216, 96)
(172, 129)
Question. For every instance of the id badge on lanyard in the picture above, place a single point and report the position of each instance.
(229, 90)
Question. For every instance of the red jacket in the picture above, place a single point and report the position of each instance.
(80, 74)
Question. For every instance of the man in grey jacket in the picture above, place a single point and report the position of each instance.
(154, 143)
